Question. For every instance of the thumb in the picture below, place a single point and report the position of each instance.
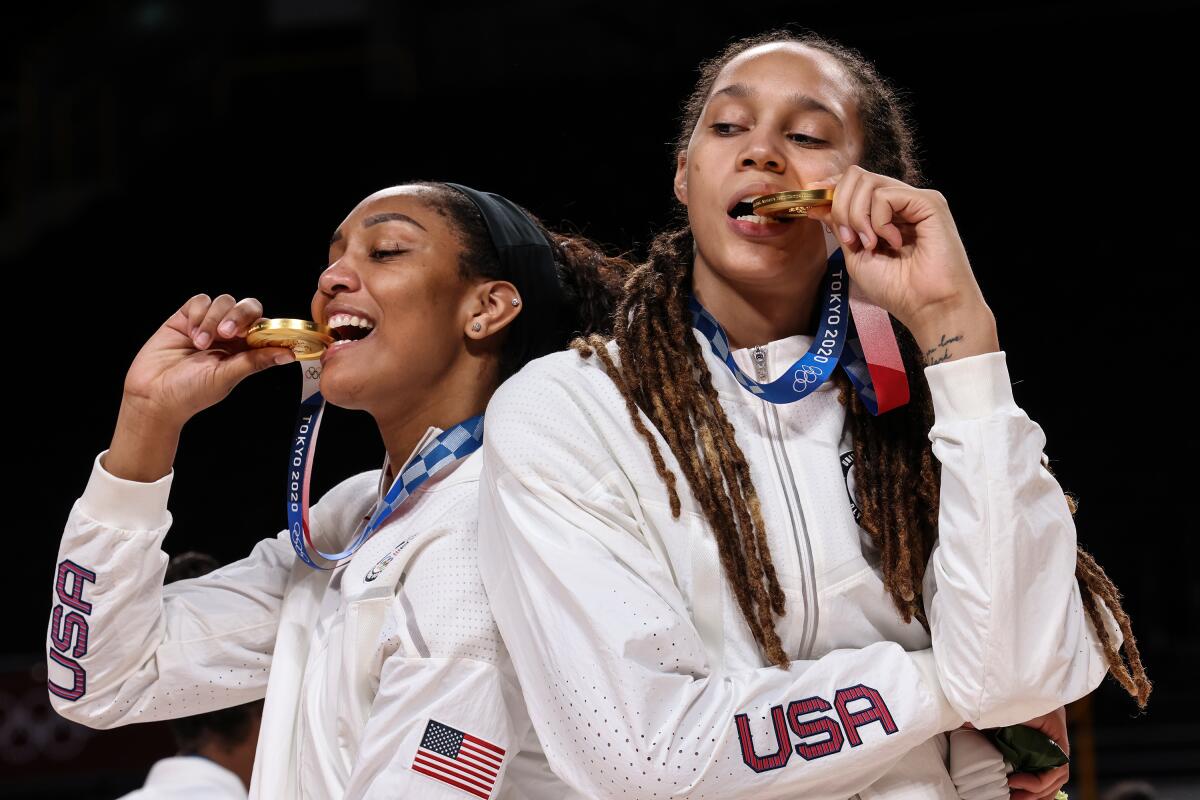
(823, 214)
(241, 365)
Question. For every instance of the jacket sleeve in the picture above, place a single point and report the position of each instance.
(1011, 635)
(447, 716)
(123, 648)
(614, 671)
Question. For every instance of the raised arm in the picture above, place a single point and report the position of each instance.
(120, 648)
(123, 648)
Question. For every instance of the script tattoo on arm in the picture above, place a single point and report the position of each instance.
(932, 356)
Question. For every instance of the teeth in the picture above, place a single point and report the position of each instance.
(340, 320)
(340, 343)
(758, 220)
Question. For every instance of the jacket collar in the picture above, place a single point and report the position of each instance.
(464, 469)
(781, 355)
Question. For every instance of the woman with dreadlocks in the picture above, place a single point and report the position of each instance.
(751, 631)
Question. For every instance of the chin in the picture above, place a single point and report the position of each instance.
(755, 265)
(341, 390)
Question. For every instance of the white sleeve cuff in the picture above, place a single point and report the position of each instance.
(125, 504)
(970, 388)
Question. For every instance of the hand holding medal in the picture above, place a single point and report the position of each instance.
(904, 253)
(196, 358)
(190, 363)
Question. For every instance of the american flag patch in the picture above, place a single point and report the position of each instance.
(464, 761)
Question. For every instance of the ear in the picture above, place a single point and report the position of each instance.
(491, 308)
(681, 178)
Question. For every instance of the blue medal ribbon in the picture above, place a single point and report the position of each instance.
(445, 449)
(814, 367)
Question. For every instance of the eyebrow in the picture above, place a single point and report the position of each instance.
(391, 216)
(375, 219)
(798, 99)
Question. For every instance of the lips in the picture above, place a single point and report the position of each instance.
(750, 192)
(758, 230)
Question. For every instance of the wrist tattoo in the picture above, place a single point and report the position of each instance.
(932, 356)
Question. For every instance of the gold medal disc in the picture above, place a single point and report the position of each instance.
(792, 204)
(306, 339)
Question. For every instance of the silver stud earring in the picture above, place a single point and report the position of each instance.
(516, 302)
(476, 327)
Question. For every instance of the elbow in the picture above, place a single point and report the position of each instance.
(1030, 680)
(78, 711)
(72, 698)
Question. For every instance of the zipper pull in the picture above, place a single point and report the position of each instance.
(760, 363)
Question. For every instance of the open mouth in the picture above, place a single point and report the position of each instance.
(743, 211)
(348, 328)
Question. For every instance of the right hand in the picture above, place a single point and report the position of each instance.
(196, 358)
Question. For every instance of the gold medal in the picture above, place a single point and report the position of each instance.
(306, 339)
(791, 204)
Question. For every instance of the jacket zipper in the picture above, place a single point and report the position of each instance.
(795, 510)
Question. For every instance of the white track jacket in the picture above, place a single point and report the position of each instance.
(641, 677)
(361, 667)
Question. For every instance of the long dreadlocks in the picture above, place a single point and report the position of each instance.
(893, 454)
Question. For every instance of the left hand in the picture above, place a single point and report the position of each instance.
(912, 263)
(1044, 785)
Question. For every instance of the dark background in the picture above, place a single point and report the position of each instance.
(151, 150)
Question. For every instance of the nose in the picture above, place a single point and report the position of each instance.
(338, 277)
(762, 150)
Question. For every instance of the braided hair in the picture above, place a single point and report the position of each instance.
(898, 478)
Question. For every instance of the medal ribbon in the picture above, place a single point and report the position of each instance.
(865, 346)
(438, 453)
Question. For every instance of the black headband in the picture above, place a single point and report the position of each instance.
(527, 261)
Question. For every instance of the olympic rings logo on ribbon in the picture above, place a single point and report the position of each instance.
(805, 375)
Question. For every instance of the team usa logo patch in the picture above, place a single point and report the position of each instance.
(69, 628)
(817, 734)
(382, 564)
(459, 759)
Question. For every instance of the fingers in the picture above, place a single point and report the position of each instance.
(194, 310)
(205, 320)
(880, 217)
(203, 334)
(868, 207)
(843, 197)
(239, 318)
(230, 371)
(1040, 785)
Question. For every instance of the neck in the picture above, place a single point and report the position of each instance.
(754, 313)
(403, 425)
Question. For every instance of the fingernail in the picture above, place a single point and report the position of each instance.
(866, 240)
(285, 358)
(846, 234)
(202, 340)
(227, 328)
